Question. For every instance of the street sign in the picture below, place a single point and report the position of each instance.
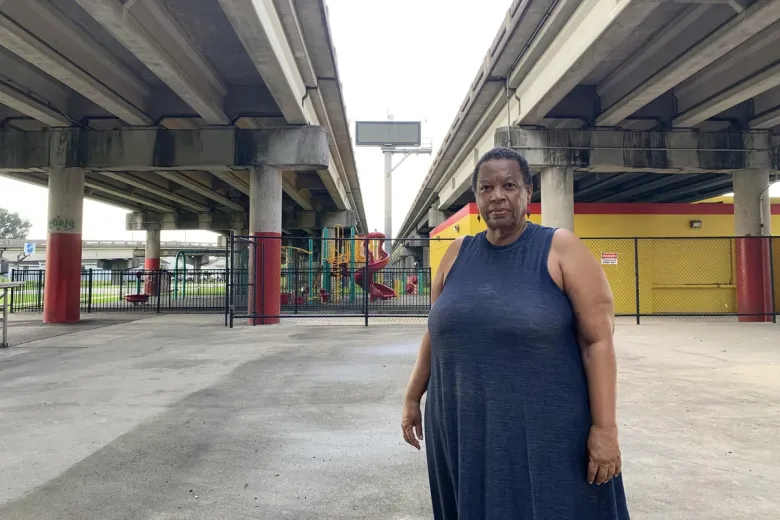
(29, 248)
(388, 133)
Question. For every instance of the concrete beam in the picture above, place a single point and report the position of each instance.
(28, 106)
(766, 107)
(196, 185)
(611, 151)
(592, 32)
(154, 149)
(128, 195)
(301, 197)
(436, 217)
(49, 25)
(727, 37)
(17, 40)
(737, 5)
(154, 188)
(89, 193)
(176, 61)
(766, 120)
(260, 30)
(266, 38)
(234, 179)
(614, 86)
(139, 221)
(570, 43)
(732, 96)
(757, 49)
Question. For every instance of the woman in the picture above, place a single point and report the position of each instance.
(519, 367)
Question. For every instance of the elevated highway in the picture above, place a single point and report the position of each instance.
(192, 114)
(110, 254)
(622, 101)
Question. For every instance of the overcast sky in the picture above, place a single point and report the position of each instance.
(414, 59)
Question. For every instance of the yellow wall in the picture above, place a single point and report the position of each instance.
(685, 274)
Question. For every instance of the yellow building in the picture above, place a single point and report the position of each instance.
(683, 256)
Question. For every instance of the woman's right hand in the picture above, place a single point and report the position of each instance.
(411, 423)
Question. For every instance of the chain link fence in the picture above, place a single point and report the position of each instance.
(691, 277)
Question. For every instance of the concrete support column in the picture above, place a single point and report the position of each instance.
(558, 197)
(752, 223)
(265, 225)
(62, 290)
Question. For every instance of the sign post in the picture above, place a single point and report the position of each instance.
(393, 137)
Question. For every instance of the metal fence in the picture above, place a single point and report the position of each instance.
(736, 277)
(323, 278)
(131, 290)
(340, 277)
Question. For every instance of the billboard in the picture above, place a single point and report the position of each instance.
(387, 133)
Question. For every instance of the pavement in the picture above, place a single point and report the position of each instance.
(176, 417)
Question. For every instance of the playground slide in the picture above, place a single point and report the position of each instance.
(377, 291)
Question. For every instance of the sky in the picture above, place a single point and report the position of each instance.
(414, 61)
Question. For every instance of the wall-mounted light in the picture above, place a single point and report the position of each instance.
(695, 224)
(457, 228)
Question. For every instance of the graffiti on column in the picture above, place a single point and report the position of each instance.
(61, 224)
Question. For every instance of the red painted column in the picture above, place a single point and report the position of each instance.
(751, 224)
(753, 287)
(265, 225)
(152, 260)
(62, 283)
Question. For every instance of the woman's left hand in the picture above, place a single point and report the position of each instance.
(603, 454)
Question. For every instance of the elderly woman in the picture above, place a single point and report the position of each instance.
(519, 367)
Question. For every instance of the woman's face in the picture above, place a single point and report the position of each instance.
(502, 197)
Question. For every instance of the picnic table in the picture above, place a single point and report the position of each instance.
(4, 288)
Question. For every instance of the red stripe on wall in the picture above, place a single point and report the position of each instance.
(62, 288)
(616, 208)
(468, 209)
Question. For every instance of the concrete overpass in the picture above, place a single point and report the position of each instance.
(193, 114)
(622, 101)
(105, 254)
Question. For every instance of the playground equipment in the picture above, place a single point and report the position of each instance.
(139, 298)
(350, 262)
(290, 266)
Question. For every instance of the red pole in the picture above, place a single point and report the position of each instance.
(753, 292)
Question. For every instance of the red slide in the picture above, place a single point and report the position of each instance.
(377, 291)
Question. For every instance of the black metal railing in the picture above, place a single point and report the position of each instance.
(339, 278)
(131, 290)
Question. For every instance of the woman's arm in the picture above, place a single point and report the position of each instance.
(411, 422)
(586, 285)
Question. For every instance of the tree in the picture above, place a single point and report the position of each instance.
(13, 226)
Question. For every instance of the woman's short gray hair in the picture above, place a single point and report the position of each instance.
(503, 153)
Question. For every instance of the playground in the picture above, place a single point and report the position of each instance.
(351, 266)
(175, 417)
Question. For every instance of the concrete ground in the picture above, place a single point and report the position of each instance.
(178, 418)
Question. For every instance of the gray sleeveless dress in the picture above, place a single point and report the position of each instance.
(507, 414)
